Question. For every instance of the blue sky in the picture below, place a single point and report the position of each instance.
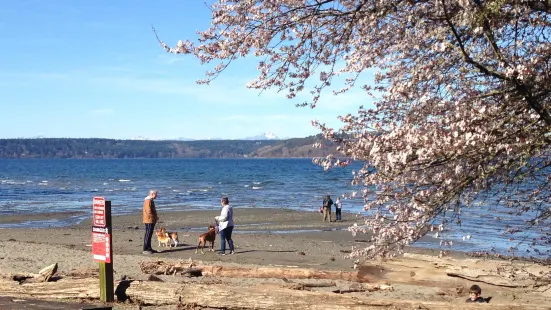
(94, 69)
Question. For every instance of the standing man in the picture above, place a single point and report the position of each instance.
(327, 203)
(149, 219)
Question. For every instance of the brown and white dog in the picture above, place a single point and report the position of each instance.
(209, 236)
(162, 237)
(172, 236)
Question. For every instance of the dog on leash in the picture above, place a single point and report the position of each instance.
(209, 236)
(172, 236)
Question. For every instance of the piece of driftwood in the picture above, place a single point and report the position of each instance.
(280, 273)
(162, 267)
(350, 290)
(165, 268)
(488, 279)
(306, 286)
(504, 276)
(48, 272)
(44, 275)
(378, 287)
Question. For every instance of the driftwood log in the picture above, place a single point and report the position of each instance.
(499, 273)
(221, 296)
(167, 268)
(307, 286)
(44, 275)
(504, 276)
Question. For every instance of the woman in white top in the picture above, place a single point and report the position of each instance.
(225, 224)
(338, 207)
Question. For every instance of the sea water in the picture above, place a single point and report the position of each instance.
(68, 185)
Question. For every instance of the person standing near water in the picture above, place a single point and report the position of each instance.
(225, 225)
(327, 203)
(150, 218)
(338, 207)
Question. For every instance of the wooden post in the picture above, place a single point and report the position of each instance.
(107, 290)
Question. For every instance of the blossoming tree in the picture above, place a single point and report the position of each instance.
(461, 99)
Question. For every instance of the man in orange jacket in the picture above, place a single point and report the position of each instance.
(150, 218)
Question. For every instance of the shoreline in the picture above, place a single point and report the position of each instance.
(248, 222)
(254, 223)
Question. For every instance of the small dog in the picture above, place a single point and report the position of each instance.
(163, 238)
(209, 236)
(172, 236)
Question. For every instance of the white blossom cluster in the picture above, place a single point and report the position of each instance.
(461, 92)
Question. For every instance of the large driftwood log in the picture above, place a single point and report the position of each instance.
(491, 279)
(222, 296)
(280, 273)
(504, 276)
(161, 267)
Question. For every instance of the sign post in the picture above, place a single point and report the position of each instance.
(102, 246)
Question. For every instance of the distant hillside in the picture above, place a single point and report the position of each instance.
(110, 148)
(298, 147)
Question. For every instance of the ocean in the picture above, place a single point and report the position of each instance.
(68, 185)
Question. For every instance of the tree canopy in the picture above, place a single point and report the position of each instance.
(461, 98)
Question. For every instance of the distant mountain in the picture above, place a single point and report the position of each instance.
(264, 136)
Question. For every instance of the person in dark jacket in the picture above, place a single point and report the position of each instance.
(327, 203)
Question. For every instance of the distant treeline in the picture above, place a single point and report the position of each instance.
(110, 148)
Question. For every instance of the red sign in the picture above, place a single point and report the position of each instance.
(101, 244)
(98, 211)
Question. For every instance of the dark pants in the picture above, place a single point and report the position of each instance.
(339, 215)
(147, 237)
(225, 234)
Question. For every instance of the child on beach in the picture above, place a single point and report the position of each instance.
(474, 294)
(338, 208)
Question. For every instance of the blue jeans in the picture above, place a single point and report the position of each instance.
(225, 234)
(147, 237)
(339, 214)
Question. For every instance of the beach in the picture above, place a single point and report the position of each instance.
(275, 238)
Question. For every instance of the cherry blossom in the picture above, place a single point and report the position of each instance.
(461, 99)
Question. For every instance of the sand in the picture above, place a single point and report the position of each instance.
(263, 237)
